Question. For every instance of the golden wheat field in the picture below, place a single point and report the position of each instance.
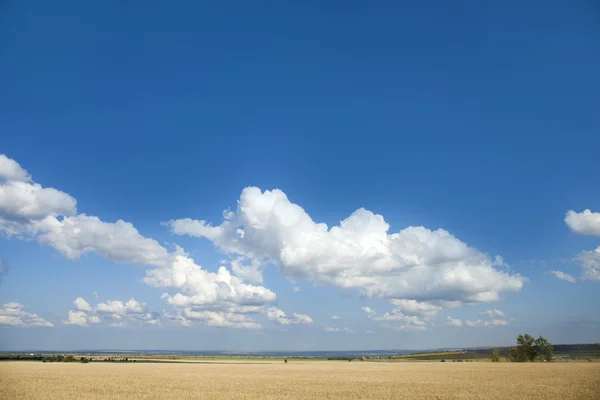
(299, 380)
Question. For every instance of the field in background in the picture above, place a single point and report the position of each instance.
(299, 380)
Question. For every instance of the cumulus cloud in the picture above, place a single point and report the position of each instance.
(81, 318)
(221, 319)
(14, 314)
(415, 263)
(496, 322)
(493, 313)
(117, 307)
(277, 315)
(3, 268)
(584, 223)
(133, 310)
(10, 170)
(397, 319)
(331, 329)
(335, 317)
(24, 204)
(50, 216)
(81, 305)
(563, 276)
(454, 322)
(413, 307)
(490, 323)
(590, 262)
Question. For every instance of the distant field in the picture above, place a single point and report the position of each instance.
(299, 380)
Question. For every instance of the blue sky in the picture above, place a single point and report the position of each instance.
(479, 120)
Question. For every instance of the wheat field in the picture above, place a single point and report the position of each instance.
(299, 380)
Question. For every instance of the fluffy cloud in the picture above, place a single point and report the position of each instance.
(331, 329)
(277, 315)
(10, 170)
(24, 204)
(584, 223)
(207, 289)
(496, 322)
(335, 317)
(490, 323)
(84, 314)
(454, 322)
(81, 318)
(413, 307)
(50, 216)
(590, 262)
(3, 268)
(14, 314)
(221, 319)
(493, 313)
(82, 305)
(563, 276)
(415, 264)
(397, 319)
(116, 307)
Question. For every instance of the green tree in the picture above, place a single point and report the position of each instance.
(495, 356)
(526, 345)
(516, 355)
(544, 349)
(69, 358)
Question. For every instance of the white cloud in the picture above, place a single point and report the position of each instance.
(369, 311)
(23, 203)
(335, 317)
(584, 223)
(10, 170)
(348, 330)
(331, 329)
(116, 307)
(82, 305)
(496, 322)
(563, 276)
(81, 318)
(132, 310)
(454, 322)
(277, 315)
(413, 307)
(14, 314)
(415, 263)
(493, 313)
(590, 262)
(391, 320)
(3, 268)
(118, 325)
(221, 319)
(207, 289)
(491, 323)
(50, 216)
(119, 241)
